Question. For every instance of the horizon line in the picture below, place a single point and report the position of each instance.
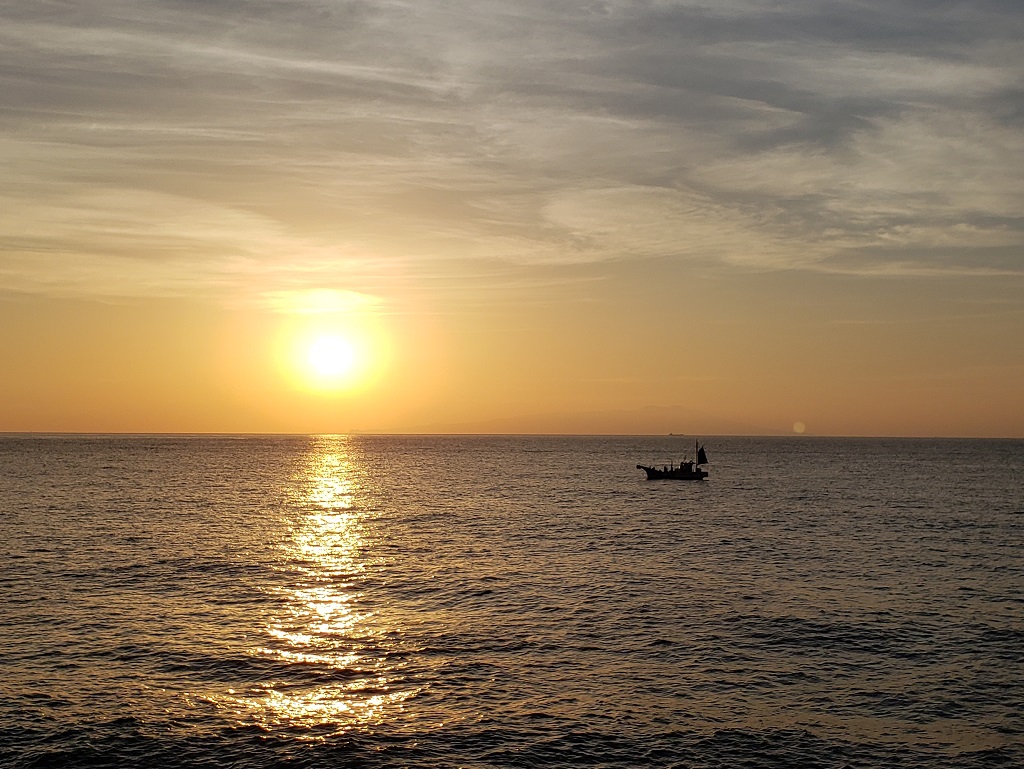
(401, 434)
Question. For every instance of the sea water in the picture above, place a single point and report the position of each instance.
(377, 601)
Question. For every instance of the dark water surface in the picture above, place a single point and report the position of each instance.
(510, 602)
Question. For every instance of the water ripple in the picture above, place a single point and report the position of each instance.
(509, 602)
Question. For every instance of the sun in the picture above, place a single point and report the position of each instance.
(331, 343)
(331, 361)
(331, 357)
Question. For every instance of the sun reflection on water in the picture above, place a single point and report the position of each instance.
(335, 666)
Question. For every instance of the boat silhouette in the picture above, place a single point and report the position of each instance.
(687, 470)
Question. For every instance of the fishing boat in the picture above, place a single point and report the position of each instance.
(687, 470)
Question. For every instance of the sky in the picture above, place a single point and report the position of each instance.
(730, 217)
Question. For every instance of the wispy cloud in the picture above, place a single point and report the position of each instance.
(178, 147)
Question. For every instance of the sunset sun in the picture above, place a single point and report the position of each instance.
(329, 342)
(329, 361)
(331, 358)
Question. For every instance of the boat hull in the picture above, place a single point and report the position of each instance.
(673, 474)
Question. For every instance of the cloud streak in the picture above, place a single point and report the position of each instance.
(177, 147)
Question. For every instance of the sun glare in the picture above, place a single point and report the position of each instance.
(330, 343)
(331, 357)
(330, 361)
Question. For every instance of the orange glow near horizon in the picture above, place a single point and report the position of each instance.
(174, 366)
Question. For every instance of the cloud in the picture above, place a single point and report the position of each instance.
(319, 301)
(183, 147)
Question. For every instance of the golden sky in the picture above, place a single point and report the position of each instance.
(601, 217)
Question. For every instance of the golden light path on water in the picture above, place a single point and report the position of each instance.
(325, 624)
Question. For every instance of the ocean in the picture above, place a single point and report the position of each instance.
(390, 601)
